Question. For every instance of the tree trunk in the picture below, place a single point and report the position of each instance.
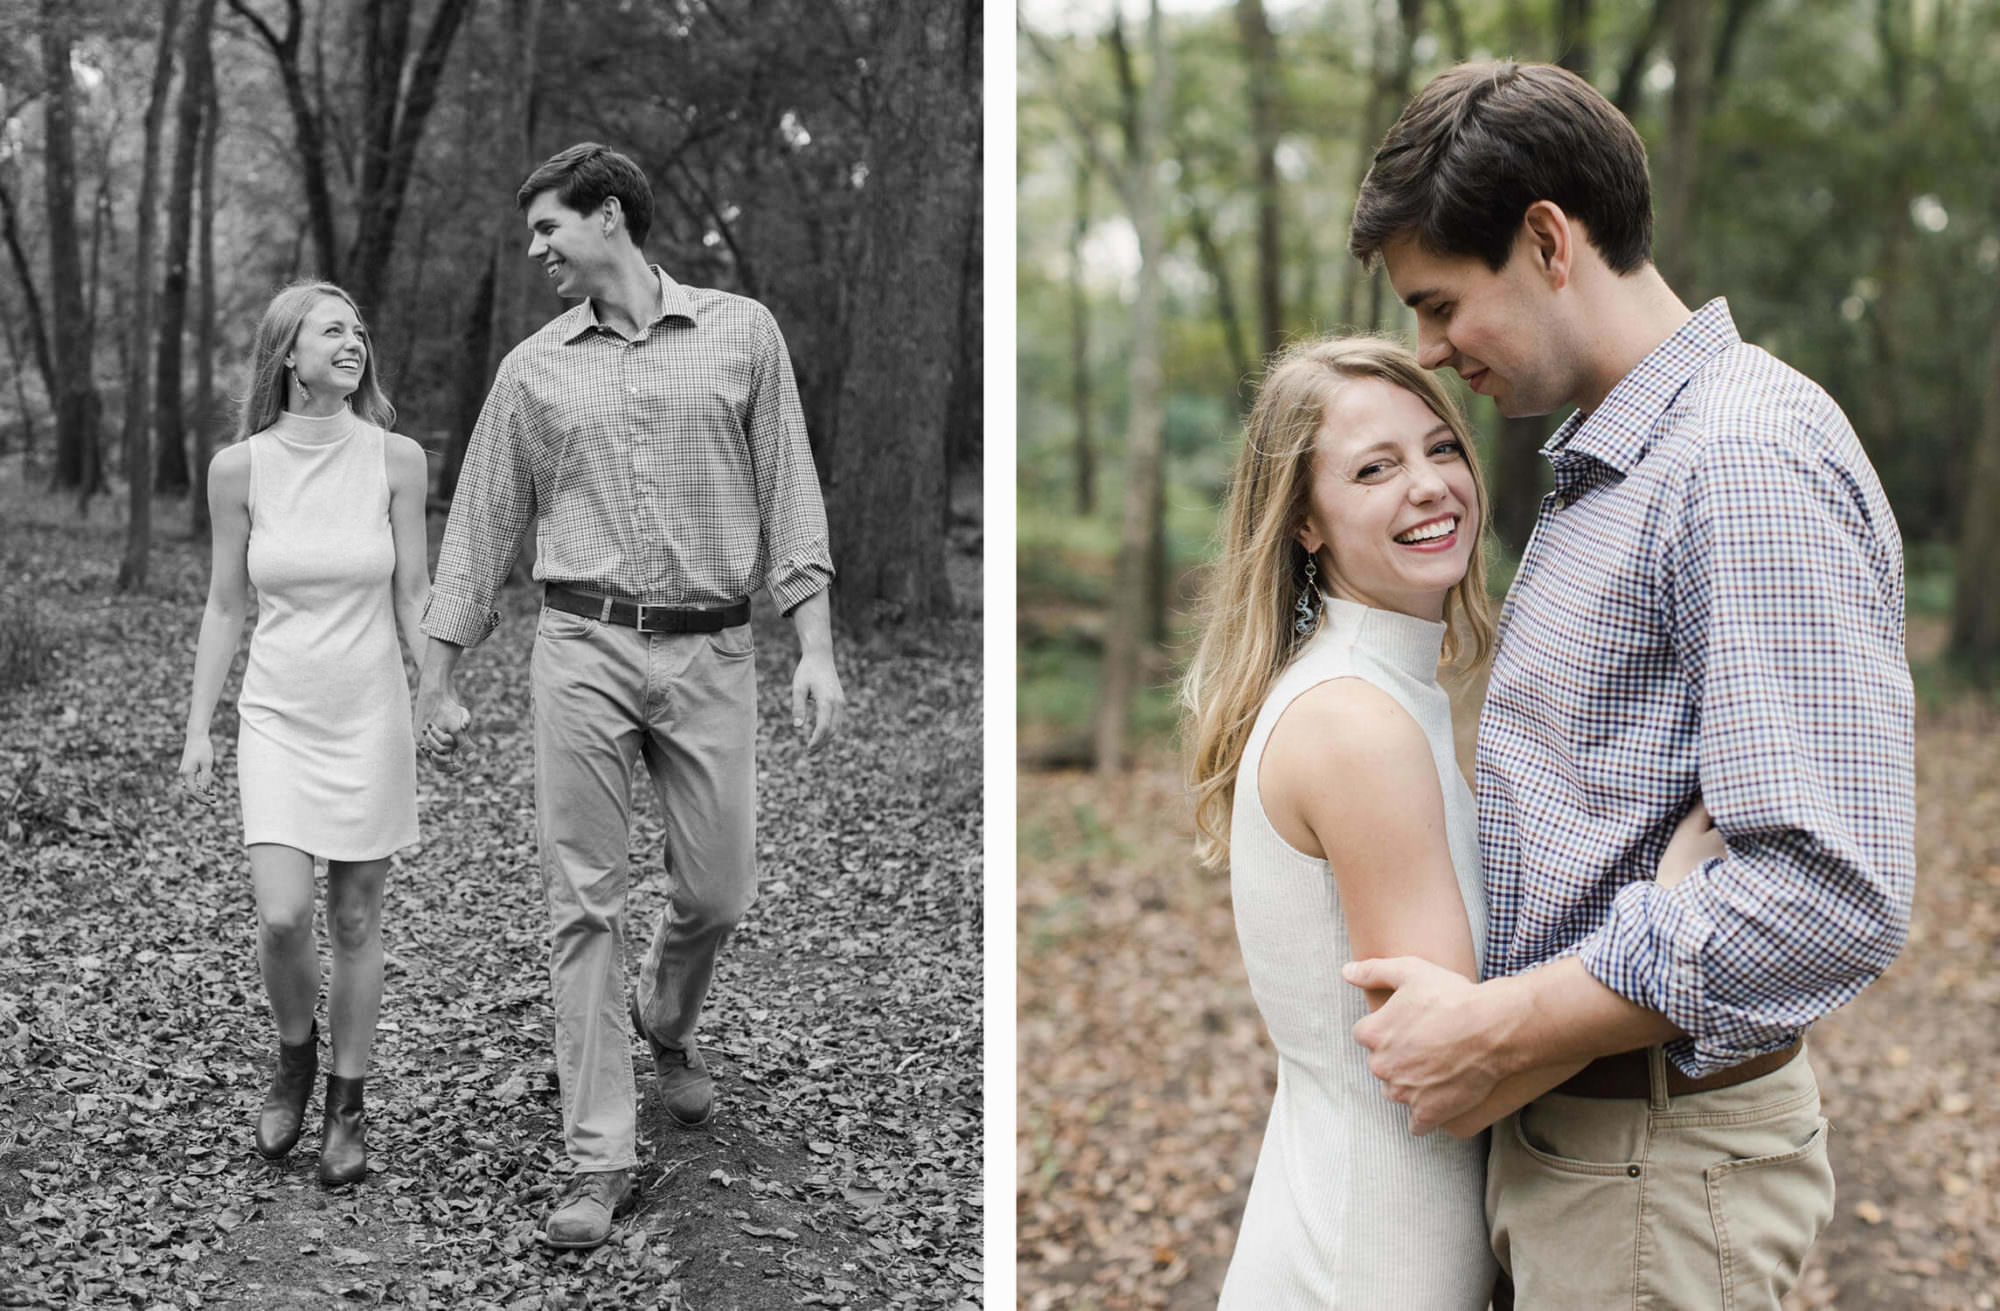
(170, 469)
(36, 323)
(204, 349)
(965, 443)
(309, 133)
(918, 200)
(138, 354)
(1680, 169)
(472, 381)
(1130, 607)
(1632, 73)
(1975, 611)
(394, 122)
(1241, 366)
(76, 396)
(1517, 475)
(1260, 54)
(20, 397)
(1085, 461)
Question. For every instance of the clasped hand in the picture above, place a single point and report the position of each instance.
(1424, 1043)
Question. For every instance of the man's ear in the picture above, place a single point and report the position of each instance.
(612, 214)
(1550, 237)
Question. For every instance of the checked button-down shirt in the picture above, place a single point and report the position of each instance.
(1712, 603)
(671, 469)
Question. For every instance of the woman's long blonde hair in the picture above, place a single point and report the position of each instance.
(1247, 638)
(277, 333)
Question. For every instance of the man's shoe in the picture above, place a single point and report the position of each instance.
(686, 1087)
(284, 1111)
(583, 1217)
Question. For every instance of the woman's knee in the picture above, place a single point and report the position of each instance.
(354, 907)
(286, 922)
(354, 925)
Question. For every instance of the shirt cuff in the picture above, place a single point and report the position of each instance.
(1650, 953)
(458, 621)
(792, 584)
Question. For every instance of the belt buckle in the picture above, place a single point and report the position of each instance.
(640, 612)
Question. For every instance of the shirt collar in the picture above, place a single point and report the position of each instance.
(1621, 429)
(674, 303)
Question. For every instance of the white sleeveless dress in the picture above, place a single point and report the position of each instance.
(1347, 1210)
(325, 757)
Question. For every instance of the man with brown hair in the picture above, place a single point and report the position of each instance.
(1710, 611)
(653, 437)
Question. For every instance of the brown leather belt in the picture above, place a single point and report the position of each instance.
(1625, 1075)
(645, 618)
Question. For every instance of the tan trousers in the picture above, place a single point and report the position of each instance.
(684, 706)
(1674, 1203)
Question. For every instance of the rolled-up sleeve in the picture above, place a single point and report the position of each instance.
(797, 562)
(1786, 619)
(491, 507)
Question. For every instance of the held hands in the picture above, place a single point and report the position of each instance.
(198, 769)
(443, 731)
(1425, 1042)
(1695, 840)
(816, 680)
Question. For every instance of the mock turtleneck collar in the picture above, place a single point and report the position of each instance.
(310, 430)
(1410, 644)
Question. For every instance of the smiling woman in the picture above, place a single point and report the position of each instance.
(321, 510)
(1324, 771)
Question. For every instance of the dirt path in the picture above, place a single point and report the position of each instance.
(844, 1164)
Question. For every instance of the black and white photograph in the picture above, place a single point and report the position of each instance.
(491, 606)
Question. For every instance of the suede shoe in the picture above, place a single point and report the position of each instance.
(686, 1087)
(284, 1111)
(583, 1217)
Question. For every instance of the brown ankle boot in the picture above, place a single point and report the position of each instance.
(343, 1145)
(284, 1111)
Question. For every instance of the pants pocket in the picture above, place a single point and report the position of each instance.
(1566, 1228)
(1767, 1212)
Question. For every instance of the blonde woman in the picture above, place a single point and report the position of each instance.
(1324, 773)
(321, 509)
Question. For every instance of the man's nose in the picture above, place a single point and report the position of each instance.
(1433, 348)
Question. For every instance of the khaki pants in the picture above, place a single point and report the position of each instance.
(608, 700)
(1675, 1203)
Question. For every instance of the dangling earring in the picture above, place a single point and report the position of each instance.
(1307, 607)
(305, 392)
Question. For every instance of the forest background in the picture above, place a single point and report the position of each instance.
(166, 166)
(1186, 172)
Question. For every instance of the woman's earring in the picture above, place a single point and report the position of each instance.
(1308, 605)
(305, 392)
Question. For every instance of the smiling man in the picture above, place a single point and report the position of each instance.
(1710, 607)
(653, 437)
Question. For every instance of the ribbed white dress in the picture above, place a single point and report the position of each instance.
(325, 757)
(1347, 1210)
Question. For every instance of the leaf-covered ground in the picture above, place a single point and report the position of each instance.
(1146, 1074)
(842, 1167)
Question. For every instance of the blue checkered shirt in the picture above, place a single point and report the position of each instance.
(1712, 603)
(671, 468)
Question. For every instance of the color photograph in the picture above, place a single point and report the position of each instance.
(1507, 645)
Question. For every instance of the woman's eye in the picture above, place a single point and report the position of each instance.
(1370, 470)
(1452, 447)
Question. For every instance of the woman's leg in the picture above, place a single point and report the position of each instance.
(287, 955)
(354, 922)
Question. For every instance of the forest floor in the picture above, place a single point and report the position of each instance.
(1146, 1075)
(842, 1168)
